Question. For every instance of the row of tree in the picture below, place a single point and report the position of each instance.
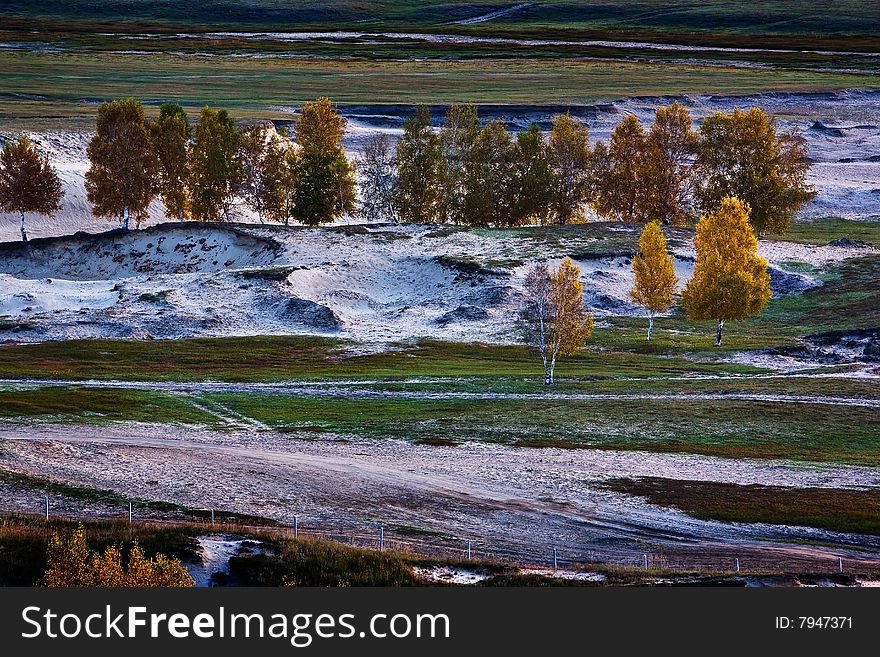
(199, 172)
(463, 173)
(730, 282)
(669, 173)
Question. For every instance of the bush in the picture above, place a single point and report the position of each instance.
(72, 563)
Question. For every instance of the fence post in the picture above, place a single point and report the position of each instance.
(295, 526)
(381, 538)
(129, 512)
(646, 561)
(47, 507)
(212, 516)
(840, 563)
(737, 564)
(469, 549)
(555, 561)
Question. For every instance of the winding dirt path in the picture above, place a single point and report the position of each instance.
(512, 504)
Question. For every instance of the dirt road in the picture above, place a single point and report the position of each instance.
(513, 504)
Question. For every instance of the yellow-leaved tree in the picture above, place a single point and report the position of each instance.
(554, 321)
(655, 279)
(730, 280)
(72, 563)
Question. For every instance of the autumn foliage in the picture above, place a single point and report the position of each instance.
(730, 281)
(655, 280)
(72, 563)
(554, 320)
(28, 183)
(741, 155)
(120, 181)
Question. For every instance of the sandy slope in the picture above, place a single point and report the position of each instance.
(371, 283)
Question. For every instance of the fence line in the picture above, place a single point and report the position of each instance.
(375, 536)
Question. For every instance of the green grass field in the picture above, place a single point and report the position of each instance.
(47, 86)
(63, 58)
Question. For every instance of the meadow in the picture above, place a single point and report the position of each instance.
(60, 59)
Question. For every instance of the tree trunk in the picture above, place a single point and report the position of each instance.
(548, 380)
(23, 231)
(125, 217)
(718, 332)
(650, 326)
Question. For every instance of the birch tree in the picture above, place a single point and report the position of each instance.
(378, 174)
(214, 166)
(569, 150)
(263, 184)
(457, 137)
(533, 180)
(489, 197)
(419, 194)
(655, 279)
(120, 181)
(171, 134)
(554, 321)
(730, 280)
(28, 183)
(619, 190)
(741, 155)
(669, 170)
(324, 188)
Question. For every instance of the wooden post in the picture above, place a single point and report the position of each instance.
(381, 538)
(47, 507)
(555, 561)
(469, 549)
(129, 513)
(295, 526)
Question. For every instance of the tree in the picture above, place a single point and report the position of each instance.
(619, 190)
(324, 187)
(741, 155)
(28, 183)
(72, 563)
(171, 134)
(419, 194)
(533, 181)
(569, 150)
(655, 279)
(288, 171)
(458, 135)
(553, 320)
(488, 175)
(214, 166)
(730, 281)
(375, 163)
(264, 177)
(669, 171)
(120, 181)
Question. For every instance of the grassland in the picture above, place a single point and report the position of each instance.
(96, 406)
(61, 59)
(773, 23)
(671, 422)
(854, 511)
(68, 85)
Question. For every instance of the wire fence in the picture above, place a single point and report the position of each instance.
(460, 549)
